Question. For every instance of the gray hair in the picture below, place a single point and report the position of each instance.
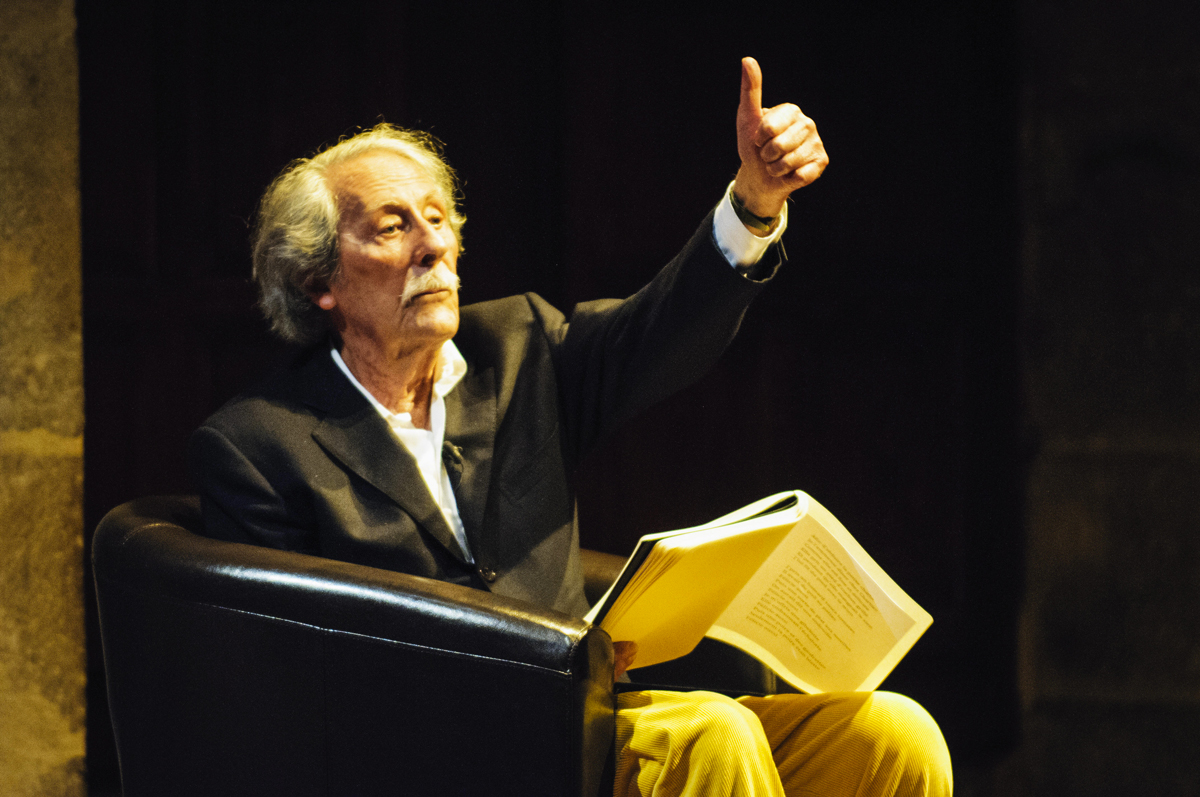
(295, 232)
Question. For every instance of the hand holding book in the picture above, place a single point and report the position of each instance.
(624, 654)
(781, 579)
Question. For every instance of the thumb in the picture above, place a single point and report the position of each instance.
(750, 106)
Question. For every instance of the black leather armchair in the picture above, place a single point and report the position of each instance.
(234, 670)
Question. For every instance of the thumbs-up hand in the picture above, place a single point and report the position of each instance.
(779, 148)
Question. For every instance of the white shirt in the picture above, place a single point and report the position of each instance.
(740, 248)
(426, 445)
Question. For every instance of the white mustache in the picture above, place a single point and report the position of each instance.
(439, 278)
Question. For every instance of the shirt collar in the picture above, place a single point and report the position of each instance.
(452, 367)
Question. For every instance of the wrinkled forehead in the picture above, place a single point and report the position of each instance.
(380, 176)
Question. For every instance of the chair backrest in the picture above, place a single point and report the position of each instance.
(234, 669)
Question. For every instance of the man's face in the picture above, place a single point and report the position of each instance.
(397, 289)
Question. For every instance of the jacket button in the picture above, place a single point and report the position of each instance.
(487, 574)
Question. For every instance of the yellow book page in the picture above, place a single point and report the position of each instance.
(785, 505)
(669, 611)
(822, 613)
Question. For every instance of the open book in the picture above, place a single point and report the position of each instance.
(781, 579)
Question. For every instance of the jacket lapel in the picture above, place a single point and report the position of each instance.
(471, 425)
(353, 433)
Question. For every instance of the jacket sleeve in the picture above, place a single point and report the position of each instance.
(239, 503)
(616, 358)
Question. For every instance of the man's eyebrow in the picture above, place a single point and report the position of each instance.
(433, 196)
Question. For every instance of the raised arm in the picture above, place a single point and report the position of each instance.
(621, 357)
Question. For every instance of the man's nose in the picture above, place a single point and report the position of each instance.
(432, 245)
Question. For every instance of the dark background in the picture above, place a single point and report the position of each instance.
(878, 373)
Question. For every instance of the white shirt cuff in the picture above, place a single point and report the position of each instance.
(740, 246)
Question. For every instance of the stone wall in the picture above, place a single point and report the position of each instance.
(41, 405)
(1111, 265)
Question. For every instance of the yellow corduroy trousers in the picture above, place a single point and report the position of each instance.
(701, 744)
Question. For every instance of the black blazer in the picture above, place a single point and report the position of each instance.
(306, 463)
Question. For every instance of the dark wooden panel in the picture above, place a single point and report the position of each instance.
(878, 373)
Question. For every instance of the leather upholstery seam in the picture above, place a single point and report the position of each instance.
(325, 630)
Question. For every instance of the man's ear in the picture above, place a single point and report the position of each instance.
(319, 294)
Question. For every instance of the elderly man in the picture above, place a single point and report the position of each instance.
(438, 441)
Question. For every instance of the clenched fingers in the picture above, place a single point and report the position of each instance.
(788, 143)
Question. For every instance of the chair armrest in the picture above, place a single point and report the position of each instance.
(163, 558)
(236, 669)
(600, 570)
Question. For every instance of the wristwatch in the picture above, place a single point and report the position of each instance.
(763, 224)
